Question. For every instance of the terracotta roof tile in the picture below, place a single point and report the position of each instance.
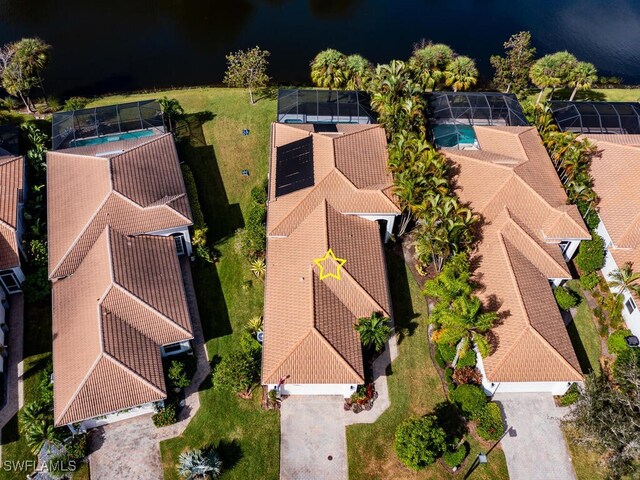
(11, 194)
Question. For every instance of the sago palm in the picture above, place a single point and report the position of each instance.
(461, 73)
(374, 331)
(258, 267)
(328, 69)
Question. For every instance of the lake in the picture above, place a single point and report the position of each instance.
(118, 45)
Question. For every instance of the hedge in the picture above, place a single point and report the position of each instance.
(453, 458)
(591, 254)
(192, 193)
(490, 426)
(447, 351)
(467, 360)
(471, 400)
(617, 343)
(589, 281)
(565, 298)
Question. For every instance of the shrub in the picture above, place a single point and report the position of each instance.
(565, 298)
(589, 281)
(37, 287)
(256, 229)
(467, 360)
(259, 195)
(165, 416)
(447, 351)
(77, 448)
(177, 375)
(45, 386)
(439, 360)
(571, 396)
(617, 343)
(628, 361)
(419, 441)
(192, 193)
(238, 370)
(591, 254)
(453, 458)
(490, 426)
(465, 375)
(471, 400)
(75, 103)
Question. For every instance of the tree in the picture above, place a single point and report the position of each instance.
(172, 110)
(177, 375)
(553, 71)
(512, 70)
(238, 370)
(582, 77)
(591, 254)
(36, 424)
(247, 69)
(21, 67)
(624, 279)
(607, 418)
(419, 441)
(357, 72)
(195, 465)
(328, 69)
(428, 63)
(461, 73)
(374, 331)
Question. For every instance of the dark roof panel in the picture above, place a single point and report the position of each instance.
(294, 166)
(597, 117)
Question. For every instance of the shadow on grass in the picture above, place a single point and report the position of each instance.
(404, 313)
(212, 306)
(582, 95)
(230, 453)
(578, 346)
(10, 431)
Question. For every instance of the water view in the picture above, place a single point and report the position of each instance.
(137, 45)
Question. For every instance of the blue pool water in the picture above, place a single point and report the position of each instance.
(112, 138)
(453, 135)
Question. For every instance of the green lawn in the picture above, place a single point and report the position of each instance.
(247, 437)
(584, 333)
(598, 94)
(415, 389)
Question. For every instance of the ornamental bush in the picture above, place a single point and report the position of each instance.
(466, 375)
(565, 298)
(467, 360)
(439, 360)
(177, 375)
(571, 396)
(471, 400)
(591, 254)
(419, 441)
(589, 281)
(447, 351)
(165, 416)
(490, 426)
(453, 458)
(617, 343)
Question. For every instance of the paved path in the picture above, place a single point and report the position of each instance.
(313, 441)
(538, 450)
(13, 364)
(130, 449)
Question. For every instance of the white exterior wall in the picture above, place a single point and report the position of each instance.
(170, 231)
(571, 249)
(631, 319)
(316, 389)
(489, 387)
(184, 347)
(374, 217)
(118, 416)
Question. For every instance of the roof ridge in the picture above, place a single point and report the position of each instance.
(132, 372)
(82, 383)
(293, 348)
(145, 142)
(502, 166)
(163, 205)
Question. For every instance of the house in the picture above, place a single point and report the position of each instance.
(330, 208)
(528, 231)
(118, 229)
(614, 127)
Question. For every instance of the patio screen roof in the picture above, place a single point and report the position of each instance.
(324, 106)
(68, 127)
(597, 117)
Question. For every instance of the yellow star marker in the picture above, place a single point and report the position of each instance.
(331, 269)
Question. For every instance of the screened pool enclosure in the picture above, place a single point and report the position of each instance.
(597, 117)
(105, 124)
(324, 106)
(8, 140)
(452, 115)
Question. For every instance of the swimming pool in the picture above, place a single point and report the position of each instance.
(81, 142)
(449, 135)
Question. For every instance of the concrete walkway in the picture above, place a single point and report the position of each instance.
(537, 450)
(13, 365)
(130, 449)
(313, 441)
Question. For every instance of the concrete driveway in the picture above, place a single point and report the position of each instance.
(537, 450)
(313, 442)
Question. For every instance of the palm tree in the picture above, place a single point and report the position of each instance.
(461, 73)
(36, 424)
(36, 56)
(258, 267)
(374, 331)
(625, 279)
(429, 62)
(583, 76)
(553, 71)
(328, 69)
(357, 72)
(194, 465)
(452, 282)
(171, 109)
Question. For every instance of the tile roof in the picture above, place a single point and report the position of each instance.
(124, 301)
(615, 179)
(135, 186)
(349, 168)
(512, 184)
(11, 194)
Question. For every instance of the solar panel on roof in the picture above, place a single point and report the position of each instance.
(294, 166)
